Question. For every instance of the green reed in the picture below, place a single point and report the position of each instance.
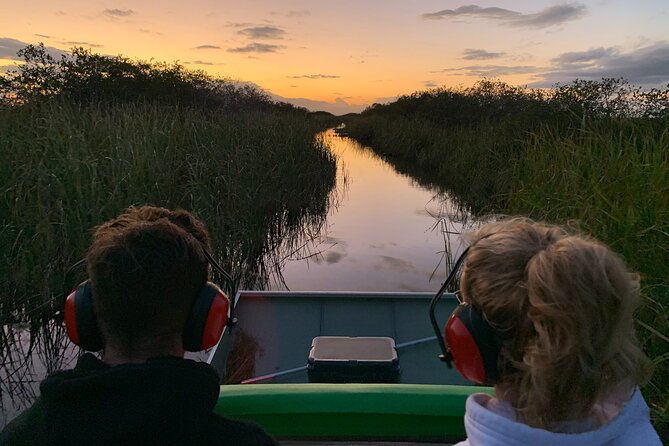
(612, 177)
(253, 177)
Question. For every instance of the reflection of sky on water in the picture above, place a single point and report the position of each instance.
(383, 236)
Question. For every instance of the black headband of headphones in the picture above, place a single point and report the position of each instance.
(445, 355)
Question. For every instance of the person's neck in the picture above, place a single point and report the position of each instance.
(113, 356)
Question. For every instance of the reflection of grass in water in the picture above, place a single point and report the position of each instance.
(256, 179)
(30, 357)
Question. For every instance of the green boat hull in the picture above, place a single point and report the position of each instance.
(382, 412)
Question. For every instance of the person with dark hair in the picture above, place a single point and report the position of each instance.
(146, 269)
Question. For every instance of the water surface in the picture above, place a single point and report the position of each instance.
(386, 232)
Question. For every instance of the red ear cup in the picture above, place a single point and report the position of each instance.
(80, 322)
(207, 319)
(473, 344)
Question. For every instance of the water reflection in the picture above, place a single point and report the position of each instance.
(30, 356)
(388, 233)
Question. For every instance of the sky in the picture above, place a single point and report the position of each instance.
(343, 56)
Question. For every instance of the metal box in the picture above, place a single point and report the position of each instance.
(343, 359)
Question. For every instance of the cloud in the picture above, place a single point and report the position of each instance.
(239, 24)
(44, 36)
(148, 31)
(263, 32)
(476, 54)
(644, 66)
(256, 47)
(78, 43)
(430, 84)
(118, 12)
(490, 70)
(207, 47)
(579, 57)
(551, 16)
(300, 13)
(9, 48)
(338, 107)
(474, 11)
(205, 62)
(6, 68)
(314, 76)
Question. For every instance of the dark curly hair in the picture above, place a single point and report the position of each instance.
(146, 267)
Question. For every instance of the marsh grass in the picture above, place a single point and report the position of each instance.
(570, 160)
(613, 179)
(85, 136)
(254, 178)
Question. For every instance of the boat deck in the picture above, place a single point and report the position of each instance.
(269, 351)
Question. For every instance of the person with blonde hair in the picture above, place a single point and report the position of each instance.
(569, 364)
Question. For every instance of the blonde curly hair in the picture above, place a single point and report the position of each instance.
(563, 305)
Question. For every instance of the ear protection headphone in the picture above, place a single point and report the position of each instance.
(204, 326)
(468, 341)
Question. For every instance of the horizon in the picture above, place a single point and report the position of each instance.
(344, 59)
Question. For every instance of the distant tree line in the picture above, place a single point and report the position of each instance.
(495, 102)
(85, 77)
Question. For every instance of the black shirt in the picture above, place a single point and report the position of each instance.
(164, 401)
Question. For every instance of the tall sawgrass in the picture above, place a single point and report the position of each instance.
(613, 178)
(254, 178)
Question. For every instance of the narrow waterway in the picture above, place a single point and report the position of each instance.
(385, 232)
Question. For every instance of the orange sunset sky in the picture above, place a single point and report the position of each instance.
(342, 56)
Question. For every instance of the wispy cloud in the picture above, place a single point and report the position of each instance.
(490, 70)
(300, 13)
(589, 56)
(263, 32)
(148, 31)
(477, 54)
(338, 107)
(79, 43)
(44, 36)
(9, 48)
(256, 47)
(239, 24)
(551, 16)
(647, 66)
(118, 12)
(207, 47)
(206, 62)
(314, 76)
